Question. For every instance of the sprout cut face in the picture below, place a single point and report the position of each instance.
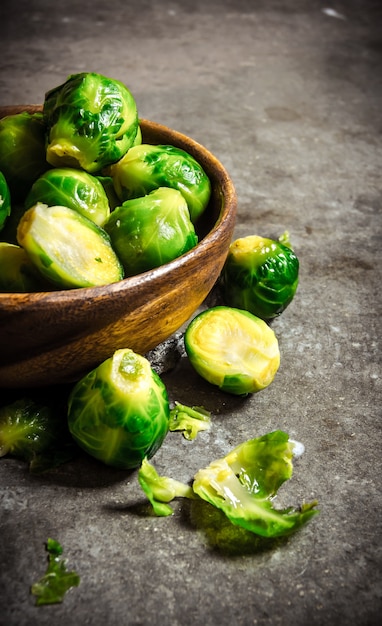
(232, 349)
(68, 249)
(92, 121)
(119, 413)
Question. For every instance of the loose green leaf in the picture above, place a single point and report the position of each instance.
(36, 433)
(232, 349)
(244, 483)
(119, 412)
(52, 587)
(160, 489)
(260, 275)
(190, 420)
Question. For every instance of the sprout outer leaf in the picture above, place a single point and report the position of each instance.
(160, 490)
(55, 583)
(244, 483)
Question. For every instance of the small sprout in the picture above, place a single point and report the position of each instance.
(35, 433)
(74, 189)
(160, 490)
(5, 201)
(22, 152)
(260, 275)
(119, 412)
(53, 586)
(91, 121)
(146, 167)
(232, 349)
(190, 420)
(152, 230)
(61, 243)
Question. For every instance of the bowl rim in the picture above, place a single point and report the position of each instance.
(227, 213)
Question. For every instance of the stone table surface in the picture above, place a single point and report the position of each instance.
(287, 94)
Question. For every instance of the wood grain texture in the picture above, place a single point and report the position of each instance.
(56, 337)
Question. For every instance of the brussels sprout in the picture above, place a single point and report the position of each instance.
(17, 272)
(22, 151)
(74, 189)
(119, 412)
(92, 121)
(108, 187)
(152, 230)
(232, 349)
(146, 167)
(189, 419)
(67, 248)
(260, 275)
(5, 200)
(160, 490)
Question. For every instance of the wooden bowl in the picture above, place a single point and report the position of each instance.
(56, 337)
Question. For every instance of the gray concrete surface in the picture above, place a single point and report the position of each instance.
(288, 97)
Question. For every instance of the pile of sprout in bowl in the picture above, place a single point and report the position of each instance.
(83, 201)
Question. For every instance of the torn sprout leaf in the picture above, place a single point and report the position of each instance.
(160, 489)
(52, 587)
(190, 420)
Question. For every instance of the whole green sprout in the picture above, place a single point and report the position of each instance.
(260, 275)
(17, 272)
(92, 121)
(119, 412)
(67, 248)
(5, 200)
(73, 188)
(146, 167)
(22, 152)
(35, 432)
(152, 230)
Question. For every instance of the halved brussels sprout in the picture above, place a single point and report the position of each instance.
(146, 167)
(5, 201)
(68, 249)
(74, 189)
(260, 275)
(22, 151)
(152, 230)
(232, 349)
(92, 121)
(119, 412)
(17, 272)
